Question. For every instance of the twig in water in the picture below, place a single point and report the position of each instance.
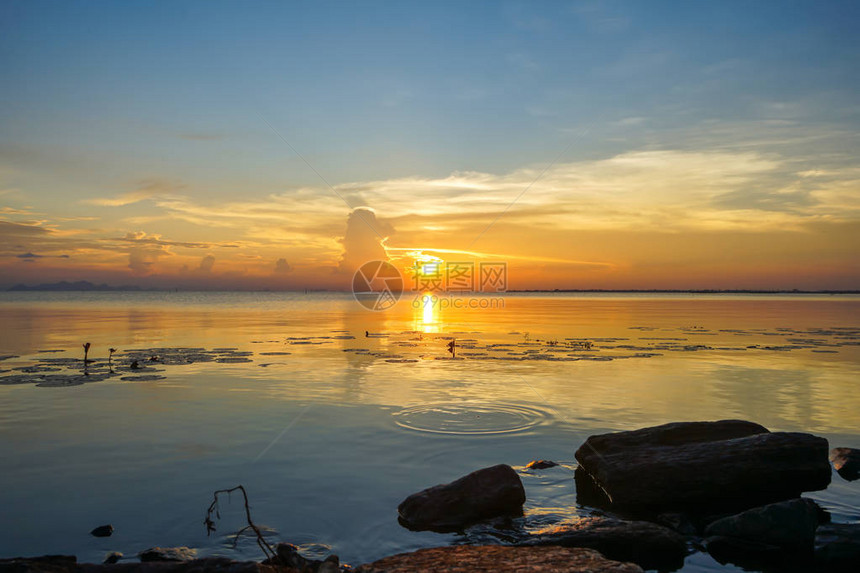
(267, 549)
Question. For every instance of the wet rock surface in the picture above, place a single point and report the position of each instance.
(837, 547)
(102, 531)
(846, 462)
(788, 524)
(649, 545)
(289, 556)
(540, 465)
(782, 532)
(168, 554)
(495, 558)
(483, 494)
(700, 466)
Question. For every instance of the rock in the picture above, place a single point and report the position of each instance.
(496, 558)
(679, 522)
(649, 545)
(846, 462)
(289, 556)
(837, 547)
(167, 554)
(728, 465)
(540, 465)
(68, 564)
(112, 557)
(789, 524)
(45, 564)
(102, 531)
(483, 494)
(782, 532)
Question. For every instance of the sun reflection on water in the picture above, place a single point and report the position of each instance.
(427, 313)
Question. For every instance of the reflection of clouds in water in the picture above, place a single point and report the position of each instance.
(781, 399)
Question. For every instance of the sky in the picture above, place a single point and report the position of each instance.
(280, 145)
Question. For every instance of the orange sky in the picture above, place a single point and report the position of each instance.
(586, 145)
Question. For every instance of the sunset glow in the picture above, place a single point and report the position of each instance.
(645, 161)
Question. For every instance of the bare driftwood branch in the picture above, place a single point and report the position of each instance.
(267, 549)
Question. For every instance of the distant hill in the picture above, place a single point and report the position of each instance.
(75, 286)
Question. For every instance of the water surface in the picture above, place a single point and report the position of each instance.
(329, 429)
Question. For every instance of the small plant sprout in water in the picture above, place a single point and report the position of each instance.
(110, 356)
(86, 352)
(452, 348)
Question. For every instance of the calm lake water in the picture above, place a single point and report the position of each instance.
(329, 429)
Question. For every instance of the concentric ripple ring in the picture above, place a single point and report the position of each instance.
(469, 418)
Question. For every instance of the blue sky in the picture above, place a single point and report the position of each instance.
(105, 98)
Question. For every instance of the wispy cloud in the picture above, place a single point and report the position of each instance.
(147, 189)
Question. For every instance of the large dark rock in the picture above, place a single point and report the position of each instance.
(782, 532)
(837, 548)
(846, 462)
(789, 524)
(483, 494)
(497, 558)
(701, 466)
(649, 545)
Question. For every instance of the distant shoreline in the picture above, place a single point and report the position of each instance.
(89, 287)
(687, 291)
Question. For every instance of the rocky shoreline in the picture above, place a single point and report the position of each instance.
(730, 488)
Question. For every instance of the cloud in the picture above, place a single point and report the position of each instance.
(141, 260)
(282, 266)
(147, 189)
(141, 237)
(29, 257)
(206, 264)
(363, 240)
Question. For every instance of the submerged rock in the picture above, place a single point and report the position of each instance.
(540, 465)
(112, 557)
(102, 531)
(289, 557)
(846, 462)
(483, 494)
(496, 558)
(167, 554)
(837, 547)
(649, 545)
(782, 532)
(701, 466)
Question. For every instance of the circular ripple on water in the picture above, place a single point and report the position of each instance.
(469, 418)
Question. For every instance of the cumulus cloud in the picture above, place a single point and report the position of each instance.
(363, 240)
(282, 266)
(206, 264)
(141, 260)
